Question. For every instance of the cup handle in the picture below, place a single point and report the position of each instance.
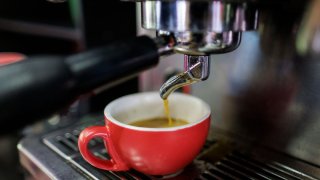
(114, 164)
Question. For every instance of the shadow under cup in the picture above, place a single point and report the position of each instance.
(154, 151)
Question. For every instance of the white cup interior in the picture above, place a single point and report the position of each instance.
(143, 106)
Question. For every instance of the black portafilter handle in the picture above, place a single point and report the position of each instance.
(40, 86)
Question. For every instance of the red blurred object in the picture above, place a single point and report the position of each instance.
(10, 57)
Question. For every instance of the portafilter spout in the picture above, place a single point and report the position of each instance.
(197, 69)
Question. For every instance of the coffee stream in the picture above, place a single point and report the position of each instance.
(167, 111)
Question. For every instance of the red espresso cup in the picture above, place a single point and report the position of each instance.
(154, 151)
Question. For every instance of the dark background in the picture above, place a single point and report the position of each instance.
(35, 27)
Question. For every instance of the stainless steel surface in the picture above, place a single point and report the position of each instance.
(207, 42)
(42, 164)
(56, 156)
(165, 42)
(270, 102)
(199, 16)
(202, 71)
(267, 90)
(236, 165)
(197, 69)
(200, 27)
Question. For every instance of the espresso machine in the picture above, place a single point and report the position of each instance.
(254, 61)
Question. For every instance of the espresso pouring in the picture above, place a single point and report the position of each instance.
(167, 111)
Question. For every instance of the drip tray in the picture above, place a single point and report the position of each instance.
(56, 156)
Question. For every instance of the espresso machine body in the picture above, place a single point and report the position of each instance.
(257, 63)
(264, 89)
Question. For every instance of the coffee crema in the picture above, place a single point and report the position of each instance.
(159, 122)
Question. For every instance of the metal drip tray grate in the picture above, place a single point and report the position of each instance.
(218, 160)
(238, 166)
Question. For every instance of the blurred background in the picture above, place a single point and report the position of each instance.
(264, 95)
(38, 27)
